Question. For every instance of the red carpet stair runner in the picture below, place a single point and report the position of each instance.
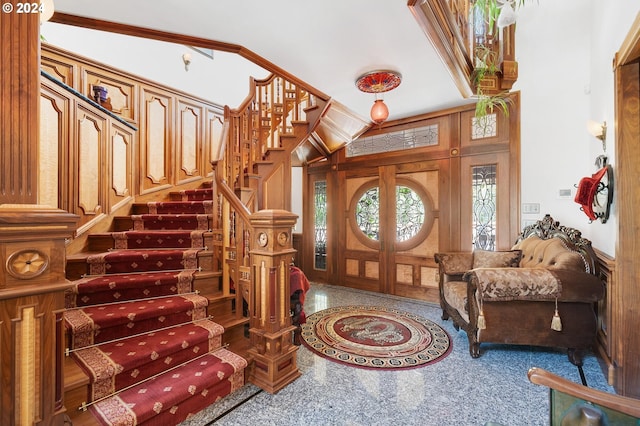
(137, 328)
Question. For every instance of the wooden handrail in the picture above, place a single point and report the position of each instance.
(231, 197)
(625, 405)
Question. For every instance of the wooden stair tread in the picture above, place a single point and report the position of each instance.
(74, 376)
(84, 418)
(208, 274)
(228, 321)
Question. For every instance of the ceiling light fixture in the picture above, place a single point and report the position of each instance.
(378, 82)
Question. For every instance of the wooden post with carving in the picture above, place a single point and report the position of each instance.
(271, 332)
(32, 240)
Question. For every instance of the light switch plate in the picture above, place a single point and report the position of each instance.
(530, 208)
(564, 193)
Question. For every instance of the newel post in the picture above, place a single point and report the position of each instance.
(32, 240)
(270, 330)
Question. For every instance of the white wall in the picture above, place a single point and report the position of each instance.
(223, 80)
(564, 52)
(296, 196)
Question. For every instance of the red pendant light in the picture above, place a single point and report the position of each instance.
(379, 111)
(378, 82)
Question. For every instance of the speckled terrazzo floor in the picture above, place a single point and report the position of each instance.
(457, 390)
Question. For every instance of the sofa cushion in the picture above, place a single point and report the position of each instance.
(504, 284)
(455, 294)
(455, 263)
(496, 259)
(549, 254)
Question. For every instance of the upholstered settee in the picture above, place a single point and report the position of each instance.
(542, 292)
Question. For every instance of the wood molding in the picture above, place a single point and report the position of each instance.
(20, 106)
(626, 299)
(630, 49)
(433, 16)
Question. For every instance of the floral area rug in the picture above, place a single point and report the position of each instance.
(375, 337)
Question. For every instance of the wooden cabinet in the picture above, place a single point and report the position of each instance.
(606, 347)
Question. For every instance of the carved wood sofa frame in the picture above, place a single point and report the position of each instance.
(570, 260)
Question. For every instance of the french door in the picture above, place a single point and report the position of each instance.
(391, 229)
(380, 219)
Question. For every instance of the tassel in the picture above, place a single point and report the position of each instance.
(481, 323)
(556, 323)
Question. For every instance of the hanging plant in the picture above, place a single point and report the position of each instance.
(486, 66)
(488, 104)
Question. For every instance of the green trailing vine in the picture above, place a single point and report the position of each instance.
(486, 62)
(486, 65)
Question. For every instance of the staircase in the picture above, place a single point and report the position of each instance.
(144, 347)
(158, 320)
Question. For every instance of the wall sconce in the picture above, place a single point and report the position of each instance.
(186, 58)
(599, 131)
(378, 82)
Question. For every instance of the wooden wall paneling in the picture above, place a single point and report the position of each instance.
(28, 350)
(357, 256)
(606, 348)
(274, 195)
(167, 155)
(53, 155)
(120, 154)
(156, 132)
(515, 167)
(298, 247)
(416, 277)
(214, 122)
(360, 269)
(189, 141)
(477, 139)
(625, 296)
(450, 187)
(337, 201)
(89, 164)
(413, 262)
(121, 90)
(60, 68)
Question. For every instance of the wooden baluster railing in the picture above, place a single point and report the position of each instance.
(250, 131)
(270, 110)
